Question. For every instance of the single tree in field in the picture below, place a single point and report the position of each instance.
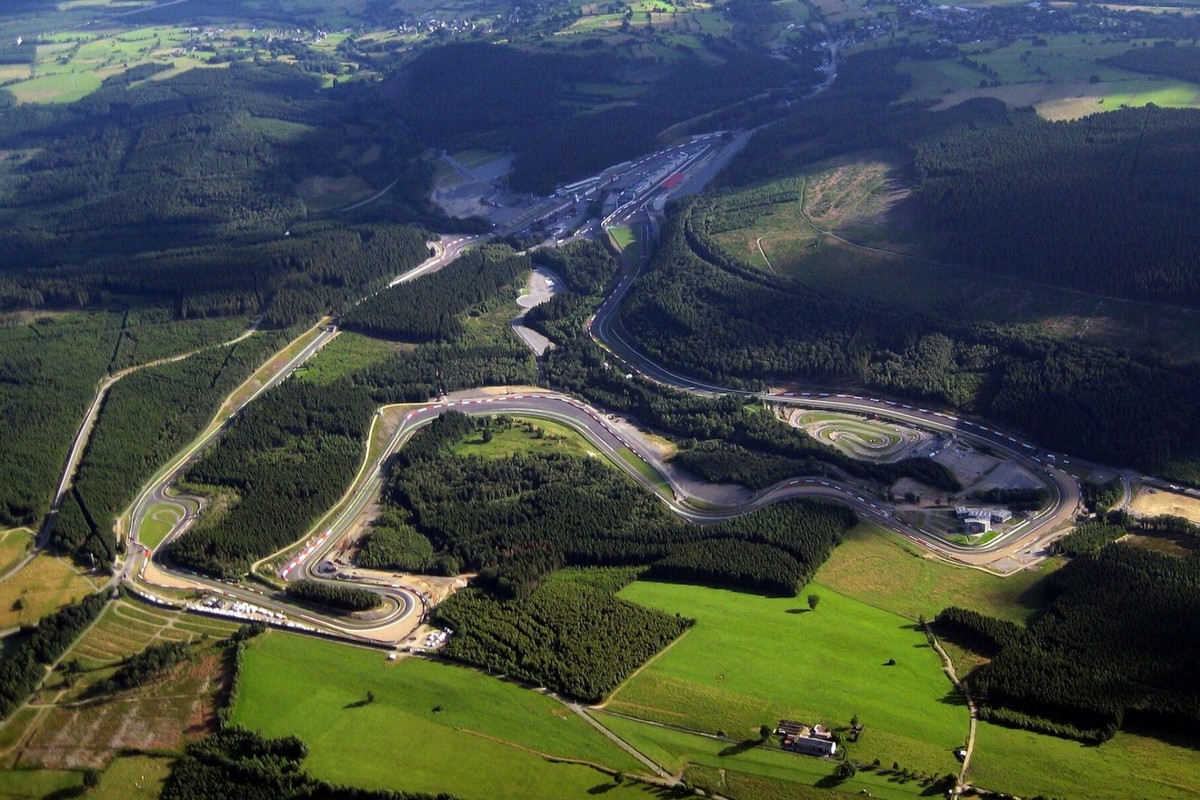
(764, 732)
(813, 600)
(845, 771)
(370, 697)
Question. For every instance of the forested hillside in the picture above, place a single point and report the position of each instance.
(713, 317)
(1107, 203)
(292, 453)
(518, 519)
(182, 192)
(146, 418)
(450, 95)
(1117, 647)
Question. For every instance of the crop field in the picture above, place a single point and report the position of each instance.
(431, 714)
(1128, 767)
(78, 62)
(880, 568)
(45, 584)
(752, 660)
(788, 773)
(527, 435)
(64, 733)
(347, 353)
(857, 437)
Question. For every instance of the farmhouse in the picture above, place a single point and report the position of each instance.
(991, 515)
(800, 738)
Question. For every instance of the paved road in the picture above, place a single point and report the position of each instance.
(1025, 543)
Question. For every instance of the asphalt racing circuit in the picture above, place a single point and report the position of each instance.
(404, 607)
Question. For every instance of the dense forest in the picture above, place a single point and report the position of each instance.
(289, 456)
(1106, 204)
(427, 310)
(573, 638)
(517, 519)
(715, 318)
(1117, 646)
(198, 175)
(452, 100)
(50, 366)
(146, 417)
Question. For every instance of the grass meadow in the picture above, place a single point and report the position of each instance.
(432, 727)
(881, 569)
(757, 771)
(752, 660)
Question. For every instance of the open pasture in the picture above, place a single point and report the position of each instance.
(880, 568)
(752, 660)
(43, 585)
(744, 766)
(429, 712)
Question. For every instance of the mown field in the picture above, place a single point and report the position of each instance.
(422, 713)
(751, 772)
(1128, 767)
(526, 435)
(883, 570)
(45, 584)
(753, 660)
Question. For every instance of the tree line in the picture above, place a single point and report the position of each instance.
(23, 665)
(575, 639)
(427, 310)
(719, 320)
(516, 520)
(343, 598)
(1116, 647)
(238, 764)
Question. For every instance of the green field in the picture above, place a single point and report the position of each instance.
(158, 522)
(453, 729)
(752, 660)
(33, 784)
(347, 353)
(882, 569)
(132, 778)
(627, 241)
(527, 435)
(1129, 767)
(14, 545)
(792, 775)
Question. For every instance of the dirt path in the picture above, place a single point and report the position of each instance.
(763, 253)
(952, 674)
(621, 743)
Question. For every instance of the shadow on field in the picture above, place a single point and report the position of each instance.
(740, 747)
